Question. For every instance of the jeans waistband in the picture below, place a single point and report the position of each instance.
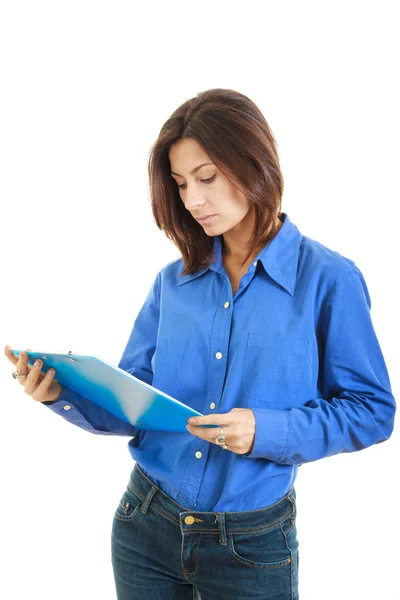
(221, 523)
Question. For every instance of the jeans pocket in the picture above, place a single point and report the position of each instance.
(128, 506)
(265, 549)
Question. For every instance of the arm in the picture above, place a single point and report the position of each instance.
(136, 360)
(357, 408)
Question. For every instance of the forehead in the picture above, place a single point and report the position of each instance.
(186, 154)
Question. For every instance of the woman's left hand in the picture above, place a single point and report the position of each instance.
(239, 427)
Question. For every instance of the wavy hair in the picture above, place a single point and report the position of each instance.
(234, 133)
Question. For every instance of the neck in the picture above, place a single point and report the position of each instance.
(234, 245)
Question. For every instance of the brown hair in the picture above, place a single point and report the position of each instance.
(233, 132)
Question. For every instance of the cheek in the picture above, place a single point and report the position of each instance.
(238, 210)
(230, 200)
(239, 202)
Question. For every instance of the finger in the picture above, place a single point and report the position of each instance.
(228, 432)
(197, 431)
(40, 393)
(11, 357)
(213, 419)
(33, 377)
(23, 367)
(209, 435)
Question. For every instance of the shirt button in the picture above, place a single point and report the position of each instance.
(212, 405)
(218, 355)
(227, 304)
(198, 455)
(67, 407)
(255, 264)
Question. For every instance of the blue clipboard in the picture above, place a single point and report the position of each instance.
(119, 392)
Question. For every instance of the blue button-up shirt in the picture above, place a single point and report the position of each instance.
(295, 344)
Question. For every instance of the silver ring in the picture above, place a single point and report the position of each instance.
(17, 375)
(221, 440)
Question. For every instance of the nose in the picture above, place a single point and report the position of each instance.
(193, 200)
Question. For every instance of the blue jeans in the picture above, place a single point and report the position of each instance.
(164, 551)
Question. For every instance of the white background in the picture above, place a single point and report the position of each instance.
(85, 89)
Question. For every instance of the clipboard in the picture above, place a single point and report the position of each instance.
(116, 390)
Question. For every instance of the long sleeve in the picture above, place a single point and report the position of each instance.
(357, 407)
(136, 360)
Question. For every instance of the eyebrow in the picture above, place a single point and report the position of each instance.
(193, 171)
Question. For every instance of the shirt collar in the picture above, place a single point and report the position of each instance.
(279, 257)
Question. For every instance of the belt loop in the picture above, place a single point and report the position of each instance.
(147, 500)
(293, 503)
(220, 517)
(291, 498)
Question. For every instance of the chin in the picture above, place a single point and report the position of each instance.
(217, 229)
(214, 231)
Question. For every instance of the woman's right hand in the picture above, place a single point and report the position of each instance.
(42, 387)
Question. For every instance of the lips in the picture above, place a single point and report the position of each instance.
(201, 219)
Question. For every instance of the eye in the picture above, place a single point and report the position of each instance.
(209, 180)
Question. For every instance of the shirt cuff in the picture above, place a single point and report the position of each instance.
(271, 436)
(69, 405)
(63, 406)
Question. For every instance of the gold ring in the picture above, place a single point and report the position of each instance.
(17, 375)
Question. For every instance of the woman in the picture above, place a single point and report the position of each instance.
(264, 331)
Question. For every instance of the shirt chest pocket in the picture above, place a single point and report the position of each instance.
(273, 370)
